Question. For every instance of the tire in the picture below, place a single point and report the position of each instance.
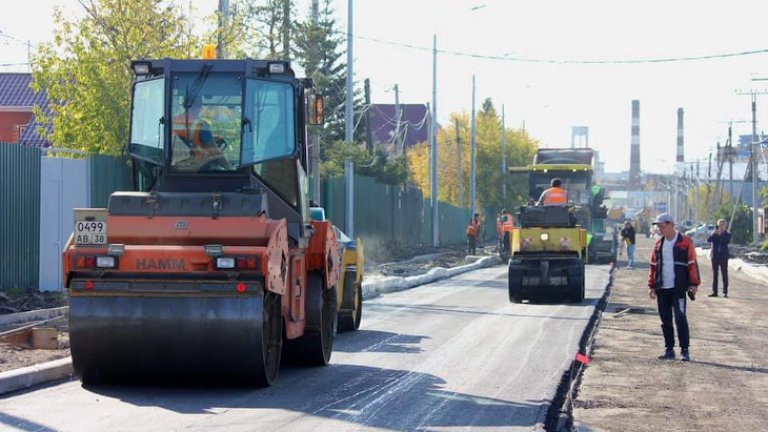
(515, 286)
(316, 346)
(351, 312)
(576, 289)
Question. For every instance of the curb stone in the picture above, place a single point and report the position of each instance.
(373, 288)
(30, 376)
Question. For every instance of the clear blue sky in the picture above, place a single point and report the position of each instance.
(548, 97)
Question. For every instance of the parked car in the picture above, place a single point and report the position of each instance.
(700, 234)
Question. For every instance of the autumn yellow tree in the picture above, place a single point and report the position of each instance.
(488, 170)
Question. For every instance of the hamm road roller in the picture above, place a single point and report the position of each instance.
(211, 268)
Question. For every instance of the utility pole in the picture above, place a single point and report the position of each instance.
(459, 176)
(503, 157)
(398, 117)
(223, 17)
(472, 154)
(753, 156)
(349, 105)
(433, 164)
(753, 168)
(314, 135)
(729, 146)
(368, 134)
(286, 29)
(697, 216)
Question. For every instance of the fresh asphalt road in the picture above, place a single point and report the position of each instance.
(454, 354)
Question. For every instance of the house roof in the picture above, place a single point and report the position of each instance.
(414, 125)
(15, 92)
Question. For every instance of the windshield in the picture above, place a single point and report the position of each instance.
(575, 184)
(206, 110)
(269, 125)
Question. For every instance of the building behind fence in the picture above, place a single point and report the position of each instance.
(38, 191)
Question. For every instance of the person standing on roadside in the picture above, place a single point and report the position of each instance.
(473, 229)
(628, 237)
(720, 254)
(673, 273)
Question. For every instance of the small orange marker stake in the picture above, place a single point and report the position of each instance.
(581, 358)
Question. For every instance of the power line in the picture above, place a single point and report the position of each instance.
(15, 39)
(569, 61)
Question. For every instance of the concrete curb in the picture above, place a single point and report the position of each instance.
(373, 288)
(35, 315)
(30, 376)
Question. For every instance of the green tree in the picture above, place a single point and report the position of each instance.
(741, 228)
(86, 69)
(375, 164)
(319, 49)
(262, 30)
(488, 175)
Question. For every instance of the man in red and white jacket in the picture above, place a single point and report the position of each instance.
(673, 273)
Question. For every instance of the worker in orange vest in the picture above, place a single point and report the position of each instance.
(195, 132)
(473, 229)
(555, 195)
(504, 225)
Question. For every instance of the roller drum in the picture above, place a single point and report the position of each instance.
(137, 338)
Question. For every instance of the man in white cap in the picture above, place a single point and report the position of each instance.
(673, 273)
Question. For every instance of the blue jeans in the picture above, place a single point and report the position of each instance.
(630, 255)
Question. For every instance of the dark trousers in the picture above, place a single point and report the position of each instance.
(672, 302)
(471, 245)
(720, 264)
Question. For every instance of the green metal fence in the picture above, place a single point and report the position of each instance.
(19, 216)
(394, 214)
(384, 214)
(20, 208)
(108, 174)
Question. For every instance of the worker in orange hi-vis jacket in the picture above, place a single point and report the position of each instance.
(473, 229)
(555, 195)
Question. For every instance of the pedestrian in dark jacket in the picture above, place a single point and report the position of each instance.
(673, 273)
(720, 254)
(628, 237)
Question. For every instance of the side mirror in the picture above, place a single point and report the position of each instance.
(315, 107)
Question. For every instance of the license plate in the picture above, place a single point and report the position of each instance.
(90, 232)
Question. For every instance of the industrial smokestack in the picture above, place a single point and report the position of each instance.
(680, 154)
(634, 155)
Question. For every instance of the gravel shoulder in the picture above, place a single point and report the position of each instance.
(723, 388)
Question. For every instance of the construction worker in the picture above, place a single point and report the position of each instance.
(504, 225)
(195, 132)
(555, 195)
(473, 229)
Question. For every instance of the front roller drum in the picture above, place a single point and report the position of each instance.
(185, 339)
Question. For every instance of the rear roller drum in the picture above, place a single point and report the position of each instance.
(316, 346)
(515, 285)
(576, 289)
(266, 373)
(352, 303)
